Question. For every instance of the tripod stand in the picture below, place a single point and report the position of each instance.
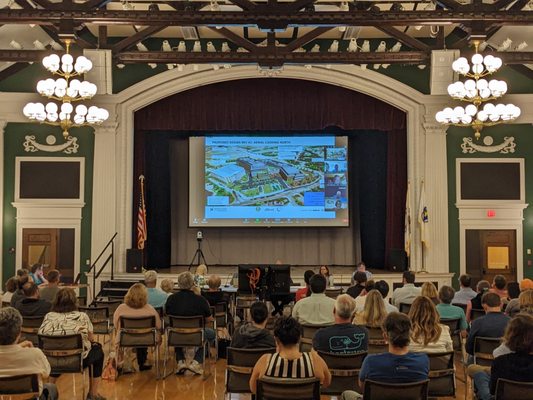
(198, 255)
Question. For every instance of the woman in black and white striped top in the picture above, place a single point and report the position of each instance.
(288, 361)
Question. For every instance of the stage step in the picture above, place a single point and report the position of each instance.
(116, 288)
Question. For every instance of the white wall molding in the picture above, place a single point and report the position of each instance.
(3, 124)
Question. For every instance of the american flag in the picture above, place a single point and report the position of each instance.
(141, 218)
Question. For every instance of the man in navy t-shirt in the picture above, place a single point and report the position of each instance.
(397, 365)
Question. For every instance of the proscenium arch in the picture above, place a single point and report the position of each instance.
(173, 81)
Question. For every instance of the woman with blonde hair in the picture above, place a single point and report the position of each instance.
(525, 300)
(374, 312)
(429, 290)
(136, 305)
(167, 286)
(200, 275)
(427, 334)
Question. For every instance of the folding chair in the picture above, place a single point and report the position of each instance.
(20, 385)
(308, 333)
(240, 365)
(139, 332)
(476, 313)
(404, 308)
(30, 328)
(344, 370)
(396, 391)
(99, 317)
(455, 332)
(507, 389)
(65, 354)
(483, 348)
(376, 342)
(287, 388)
(441, 375)
(111, 305)
(333, 292)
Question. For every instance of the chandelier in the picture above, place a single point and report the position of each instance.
(479, 92)
(66, 90)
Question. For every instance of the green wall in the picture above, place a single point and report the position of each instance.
(13, 139)
(523, 134)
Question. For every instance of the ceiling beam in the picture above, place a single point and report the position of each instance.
(522, 69)
(136, 38)
(404, 38)
(304, 39)
(95, 4)
(11, 70)
(238, 40)
(244, 4)
(518, 5)
(265, 20)
(450, 4)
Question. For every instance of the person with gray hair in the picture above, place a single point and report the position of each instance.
(22, 358)
(156, 297)
(343, 337)
(186, 303)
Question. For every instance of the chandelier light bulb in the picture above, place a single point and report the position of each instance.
(477, 59)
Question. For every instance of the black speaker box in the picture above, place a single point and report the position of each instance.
(397, 260)
(134, 260)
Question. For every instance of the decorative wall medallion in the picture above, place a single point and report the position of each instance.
(69, 147)
(506, 147)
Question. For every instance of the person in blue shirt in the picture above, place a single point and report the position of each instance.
(37, 274)
(398, 365)
(156, 297)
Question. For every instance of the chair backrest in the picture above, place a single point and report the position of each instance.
(64, 352)
(455, 331)
(441, 374)
(463, 306)
(137, 331)
(240, 363)
(99, 317)
(308, 333)
(6, 304)
(396, 391)
(507, 389)
(333, 293)
(344, 370)
(404, 308)
(476, 313)
(185, 331)
(483, 348)
(286, 388)
(27, 385)
(112, 305)
(30, 327)
(221, 314)
(376, 342)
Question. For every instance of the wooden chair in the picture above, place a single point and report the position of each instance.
(99, 317)
(513, 390)
(26, 386)
(308, 333)
(239, 368)
(476, 313)
(139, 332)
(333, 292)
(404, 308)
(344, 370)
(441, 375)
(286, 388)
(376, 342)
(65, 354)
(483, 348)
(455, 332)
(30, 328)
(184, 332)
(396, 391)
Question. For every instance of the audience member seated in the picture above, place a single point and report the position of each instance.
(398, 365)
(383, 288)
(374, 312)
(49, 291)
(200, 275)
(359, 279)
(37, 274)
(19, 293)
(22, 271)
(32, 305)
(427, 335)
(516, 365)
(167, 286)
(316, 309)
(11, 287)
(343, 337)
(465, 292)
(156, 297)
(305, 291)
(214, 295)
(513, 307)
(185, 303)
(513, 289)
(253, 335)
(65, 319)
(361, 267)
(481, 288)
(324, 271)
(492, 324)
(430, 291)
(288, 361)
(448, 311)
(499, 287)
(408, 293)
(361, 299)
(136, 305)
(22, 358)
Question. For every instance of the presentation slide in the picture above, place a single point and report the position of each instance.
(268, 181)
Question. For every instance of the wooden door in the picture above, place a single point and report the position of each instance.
(39, 245)
(491, 252)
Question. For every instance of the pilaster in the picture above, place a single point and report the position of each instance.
(3, 124)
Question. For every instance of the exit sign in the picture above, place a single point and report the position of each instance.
(491, 213)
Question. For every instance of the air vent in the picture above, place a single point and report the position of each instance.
(189, 33)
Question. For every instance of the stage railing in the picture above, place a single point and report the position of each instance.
(110, 259)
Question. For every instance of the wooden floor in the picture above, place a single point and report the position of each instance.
(144, 386)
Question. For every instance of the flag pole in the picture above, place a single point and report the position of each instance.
(141, 181)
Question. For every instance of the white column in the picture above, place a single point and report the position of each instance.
(436, 257)
(3, 124)
(104, 188)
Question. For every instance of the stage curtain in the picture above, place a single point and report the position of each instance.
(278, 105)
